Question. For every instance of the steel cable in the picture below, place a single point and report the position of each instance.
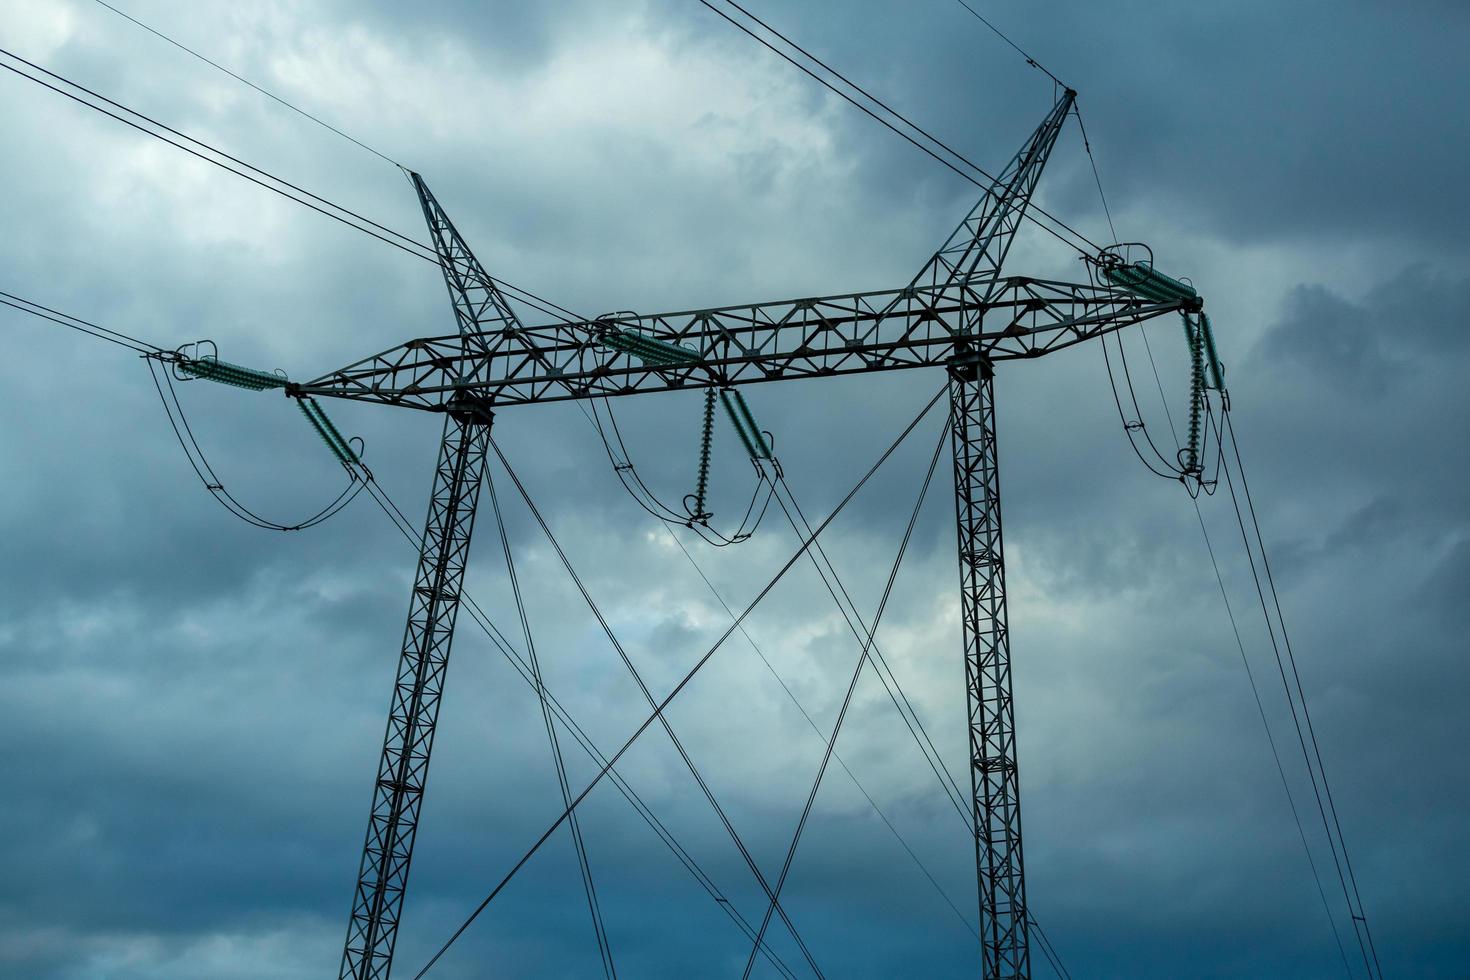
(1359, 917)
(681, 685)
(502, 645)
(1028, 214)
(866, 644)
(403, 242)
(594, 908)
(246, 81)
(648, 696)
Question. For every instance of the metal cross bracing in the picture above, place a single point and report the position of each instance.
(413, 713)
(995, 797)
(403, 770)
(959, 313)
(912, 327)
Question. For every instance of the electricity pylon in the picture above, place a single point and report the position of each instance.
(959, 313)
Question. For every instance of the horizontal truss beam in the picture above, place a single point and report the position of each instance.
(847, 334)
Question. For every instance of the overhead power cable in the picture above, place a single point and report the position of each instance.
(627, 473)
(1296, 695)
(1086, 145)
(255, 175)
(589, 886)
(681, 685)
(401, 522)
(1030, 213)
(811, 723)
(211, 480)
(915, 725)
(1270, 739)
(997, 31)
(498, 640)
(857, 673)
(270, 95)
(827, 571)
(633, 672)
(920, 735)
(1213, 423)
(77, 323)
(179, 421)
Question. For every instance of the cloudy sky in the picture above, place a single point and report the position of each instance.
(191, 709)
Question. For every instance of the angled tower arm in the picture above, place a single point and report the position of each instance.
(972, 256)
(484, 316)
(496, 341)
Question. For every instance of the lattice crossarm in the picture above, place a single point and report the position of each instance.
(852, 333)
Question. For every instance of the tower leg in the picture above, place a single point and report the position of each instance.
(995, 789)
(404, 768)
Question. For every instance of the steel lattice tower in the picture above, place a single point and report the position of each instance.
(959, 313)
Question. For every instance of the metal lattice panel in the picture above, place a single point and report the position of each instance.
(403, 768)
(995, 788)
(879, 331)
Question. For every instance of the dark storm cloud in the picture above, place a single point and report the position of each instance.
(192, 708)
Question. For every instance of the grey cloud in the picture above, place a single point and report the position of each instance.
(192, 709)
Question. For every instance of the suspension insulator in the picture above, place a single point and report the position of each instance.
(339, 446)
(706, 437)
(756, 435)
(1143, 279)
(650, 350)
(213, 369)
(735, 421)
(1217, 370)
(1193, 331)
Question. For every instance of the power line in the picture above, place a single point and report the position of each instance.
(77, 323)
(1357, 913)
(681, 685)
(1270, 739)
(1086, 145)
(857, 672)
(422, 252)
(905, 710)
(648, 696)
(1053, 958)
(1250, 675)
(604, 945)
(211, 480)
(997, 31)
(901, 702)
(339, 213)
(1030, 213)
(845, 605)
(246, 81)
(1221, 466)
(400, 521)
